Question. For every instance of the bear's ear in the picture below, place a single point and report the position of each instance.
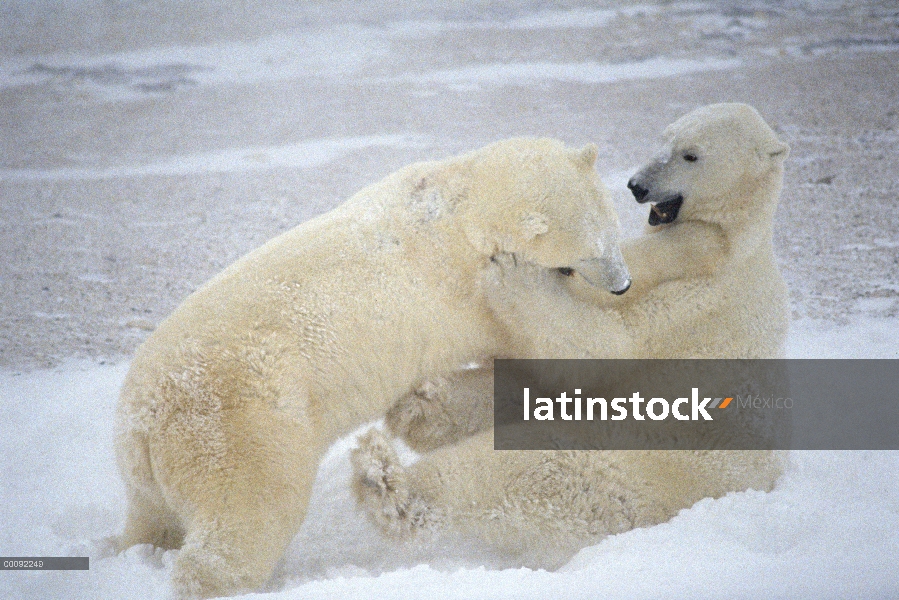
(586, 156)
(769, 154)
(772, 150)
(534, 224)
(777, 150)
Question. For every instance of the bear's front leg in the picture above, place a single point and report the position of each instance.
(535, 507)
(682, 250)
(444, 410)
(521, 504)
(546, 316)
(382, 488)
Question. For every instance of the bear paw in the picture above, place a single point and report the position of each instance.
(421, 418)
(382, 488)
(509, 279)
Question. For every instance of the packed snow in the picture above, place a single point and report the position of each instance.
(829, 529)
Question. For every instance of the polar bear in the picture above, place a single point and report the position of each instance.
(229, 406)
(706, 285)
(706, 281)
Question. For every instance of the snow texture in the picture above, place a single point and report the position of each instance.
(830, 529)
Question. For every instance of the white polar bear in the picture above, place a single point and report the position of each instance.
(229, 406)
(706, 285)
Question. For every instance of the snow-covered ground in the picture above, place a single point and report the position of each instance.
(145, 145)
(830, 529)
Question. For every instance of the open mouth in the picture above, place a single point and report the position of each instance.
(665, 212)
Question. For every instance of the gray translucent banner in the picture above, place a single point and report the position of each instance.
(696, 404)
(44, 563)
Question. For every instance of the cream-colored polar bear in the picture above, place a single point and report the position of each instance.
(231, 403)
(706, 285)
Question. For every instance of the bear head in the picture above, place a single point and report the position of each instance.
(720, 163)
(544, 204)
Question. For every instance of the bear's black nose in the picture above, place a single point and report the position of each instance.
(637, 190)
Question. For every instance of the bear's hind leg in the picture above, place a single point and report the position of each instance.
(149, 522)
(226, 554)
(243, 502)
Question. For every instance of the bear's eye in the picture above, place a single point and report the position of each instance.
(689, 157)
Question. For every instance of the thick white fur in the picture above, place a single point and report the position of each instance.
(231, 403)
(705, 286)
